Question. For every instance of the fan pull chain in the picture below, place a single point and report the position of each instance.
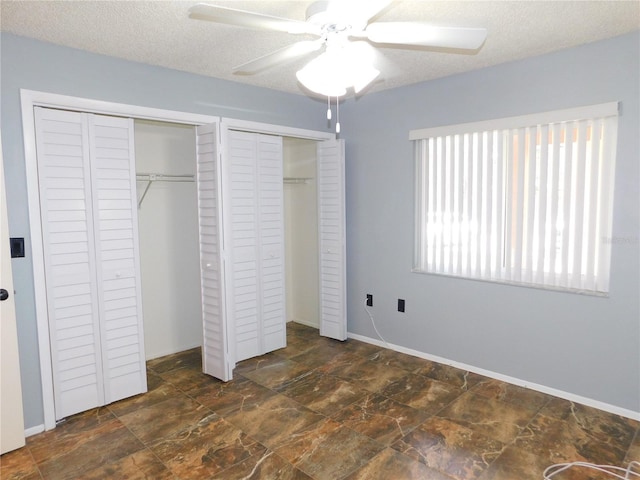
(337, 114)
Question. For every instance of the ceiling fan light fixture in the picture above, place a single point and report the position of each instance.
(357, 61)
(364, 77)
(319, 77)
(338, 69)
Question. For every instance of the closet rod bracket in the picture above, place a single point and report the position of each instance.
(157, 177)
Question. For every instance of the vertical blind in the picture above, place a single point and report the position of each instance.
(525, 200)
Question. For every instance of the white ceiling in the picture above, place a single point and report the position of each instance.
(160, 33)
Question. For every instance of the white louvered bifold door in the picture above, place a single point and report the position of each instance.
(115, 215)
(69, 256)
(241, 241)
(271, 204)
(254, 241)
(215, 356)
(332, 234)
(90, 237)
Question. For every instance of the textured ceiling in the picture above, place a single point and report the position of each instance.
(160, 33)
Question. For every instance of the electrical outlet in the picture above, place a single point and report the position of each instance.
(369, 300)
(401, 305)
(17, 247)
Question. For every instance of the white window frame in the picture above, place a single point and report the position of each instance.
(484, 211)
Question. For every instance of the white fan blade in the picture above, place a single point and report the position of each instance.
(410, 33)
(356, 12)
(279, 57)
(241, 18)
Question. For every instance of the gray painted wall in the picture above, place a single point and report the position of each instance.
(35, 65)
(586, 346)
(582, 345)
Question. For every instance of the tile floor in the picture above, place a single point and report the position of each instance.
(322, 409)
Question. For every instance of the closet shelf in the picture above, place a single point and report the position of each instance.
(160, 177)
(297, 180)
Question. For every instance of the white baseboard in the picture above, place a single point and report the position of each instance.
(29, 432)
(623, 412)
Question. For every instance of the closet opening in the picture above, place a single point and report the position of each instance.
(168, 236)
(301, 231)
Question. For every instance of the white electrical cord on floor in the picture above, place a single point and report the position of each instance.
(374, 324)
(615, 472)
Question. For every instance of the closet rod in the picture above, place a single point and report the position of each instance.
(296, 179)
(160, 177)
(166, 177)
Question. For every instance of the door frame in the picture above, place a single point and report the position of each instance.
(30, 99)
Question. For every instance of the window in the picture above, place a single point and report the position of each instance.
(524, 200)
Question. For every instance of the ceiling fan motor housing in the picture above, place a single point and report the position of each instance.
(320, 14)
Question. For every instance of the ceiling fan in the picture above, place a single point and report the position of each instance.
(346, 33)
